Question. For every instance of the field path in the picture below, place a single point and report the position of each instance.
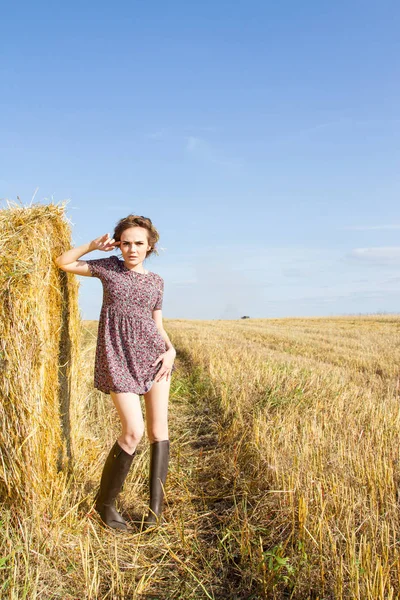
(198, 561)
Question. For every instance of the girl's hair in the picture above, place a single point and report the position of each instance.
(135, 221)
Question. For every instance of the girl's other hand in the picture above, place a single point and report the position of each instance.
(167, 360)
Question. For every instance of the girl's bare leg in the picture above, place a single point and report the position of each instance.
(120, 458)
(130, 414)
(156, 402)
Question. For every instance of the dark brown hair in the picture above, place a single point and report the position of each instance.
(138, 221)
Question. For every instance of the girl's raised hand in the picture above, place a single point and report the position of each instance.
(104, 243)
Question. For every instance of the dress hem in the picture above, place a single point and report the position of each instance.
(139, 393)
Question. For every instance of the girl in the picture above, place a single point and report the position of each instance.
(134, 357)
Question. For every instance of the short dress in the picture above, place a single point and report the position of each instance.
(128, 340)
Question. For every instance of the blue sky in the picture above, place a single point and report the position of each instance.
(261, 138)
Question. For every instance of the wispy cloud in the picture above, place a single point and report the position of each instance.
(344, 122)
(370, 227)
(156, 135)
(292, 135)
(318, 127)
(193, 143)
(203, 150)
(380, 255)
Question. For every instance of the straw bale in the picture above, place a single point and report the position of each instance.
(39, 351)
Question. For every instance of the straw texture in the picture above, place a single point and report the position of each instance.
(39, 346)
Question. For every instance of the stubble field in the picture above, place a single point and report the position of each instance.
(283, 479)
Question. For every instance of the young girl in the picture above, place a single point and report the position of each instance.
(134, 357)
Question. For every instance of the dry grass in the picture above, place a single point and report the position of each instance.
(312, 407)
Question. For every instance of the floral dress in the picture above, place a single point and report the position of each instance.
(128, 340)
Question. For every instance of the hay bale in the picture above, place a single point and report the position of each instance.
(39, 346)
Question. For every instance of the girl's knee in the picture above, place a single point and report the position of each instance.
(131, 439)
(157, 435)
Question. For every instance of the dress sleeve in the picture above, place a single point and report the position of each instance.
(99, 267)
(159, 301)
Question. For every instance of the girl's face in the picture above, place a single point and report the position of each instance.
(134, 245)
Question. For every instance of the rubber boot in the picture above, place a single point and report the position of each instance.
(115, 470)
(159, 458)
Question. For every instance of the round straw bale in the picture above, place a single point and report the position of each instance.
(39, 346)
